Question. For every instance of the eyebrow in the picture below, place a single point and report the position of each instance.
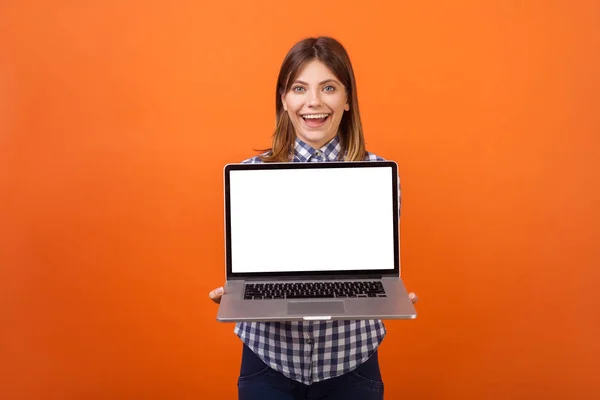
(320, 83)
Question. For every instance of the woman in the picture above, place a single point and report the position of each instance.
(318, 120)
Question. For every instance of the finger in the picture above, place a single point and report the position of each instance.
(216, 294)
(413, 297)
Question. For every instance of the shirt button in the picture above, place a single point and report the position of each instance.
(309, 341)
(318, 153)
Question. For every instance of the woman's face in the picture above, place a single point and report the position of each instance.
(315, 104)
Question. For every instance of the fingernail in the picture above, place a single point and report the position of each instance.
(220, 290)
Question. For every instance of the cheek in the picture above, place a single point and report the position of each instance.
(291, 103)
(293, 107)
(293, 117)
(338, 104)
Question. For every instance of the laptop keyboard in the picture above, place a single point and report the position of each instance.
(312, 290)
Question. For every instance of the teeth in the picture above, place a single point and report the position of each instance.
(315, 116)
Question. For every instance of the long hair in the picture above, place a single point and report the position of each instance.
(331, 53)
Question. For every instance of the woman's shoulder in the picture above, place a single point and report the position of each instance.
(256, 159)
(373, 157)
(252, 160)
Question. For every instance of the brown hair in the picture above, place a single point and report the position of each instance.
(331, 53)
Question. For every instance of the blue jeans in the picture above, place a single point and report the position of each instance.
(258, 381)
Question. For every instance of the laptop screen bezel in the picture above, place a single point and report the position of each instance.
(394, 187)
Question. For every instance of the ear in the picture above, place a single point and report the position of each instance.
(283, 102)
(347, 107)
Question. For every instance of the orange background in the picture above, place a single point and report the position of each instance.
(116, 118)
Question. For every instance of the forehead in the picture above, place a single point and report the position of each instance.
(315, 70)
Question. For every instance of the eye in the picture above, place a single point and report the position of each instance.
(329, 88)
(297, 89)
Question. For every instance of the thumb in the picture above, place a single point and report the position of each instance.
(216, 294)
(413, 297)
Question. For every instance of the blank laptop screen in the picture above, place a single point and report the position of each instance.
(304, 220)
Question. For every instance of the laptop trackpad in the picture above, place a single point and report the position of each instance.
(315, 307)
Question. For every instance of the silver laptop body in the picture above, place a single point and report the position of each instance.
(312, 241)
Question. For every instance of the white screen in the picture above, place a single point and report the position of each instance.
(329, 219)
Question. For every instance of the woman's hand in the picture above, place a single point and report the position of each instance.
(216, 294)
(413, 297)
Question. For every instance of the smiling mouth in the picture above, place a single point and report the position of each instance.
(315, 119)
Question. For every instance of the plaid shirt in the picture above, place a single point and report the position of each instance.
(312, 351)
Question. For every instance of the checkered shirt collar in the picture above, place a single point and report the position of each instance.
(330, 151)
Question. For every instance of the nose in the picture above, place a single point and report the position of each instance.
(314, 99)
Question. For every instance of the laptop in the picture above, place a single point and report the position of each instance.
(312, 242)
